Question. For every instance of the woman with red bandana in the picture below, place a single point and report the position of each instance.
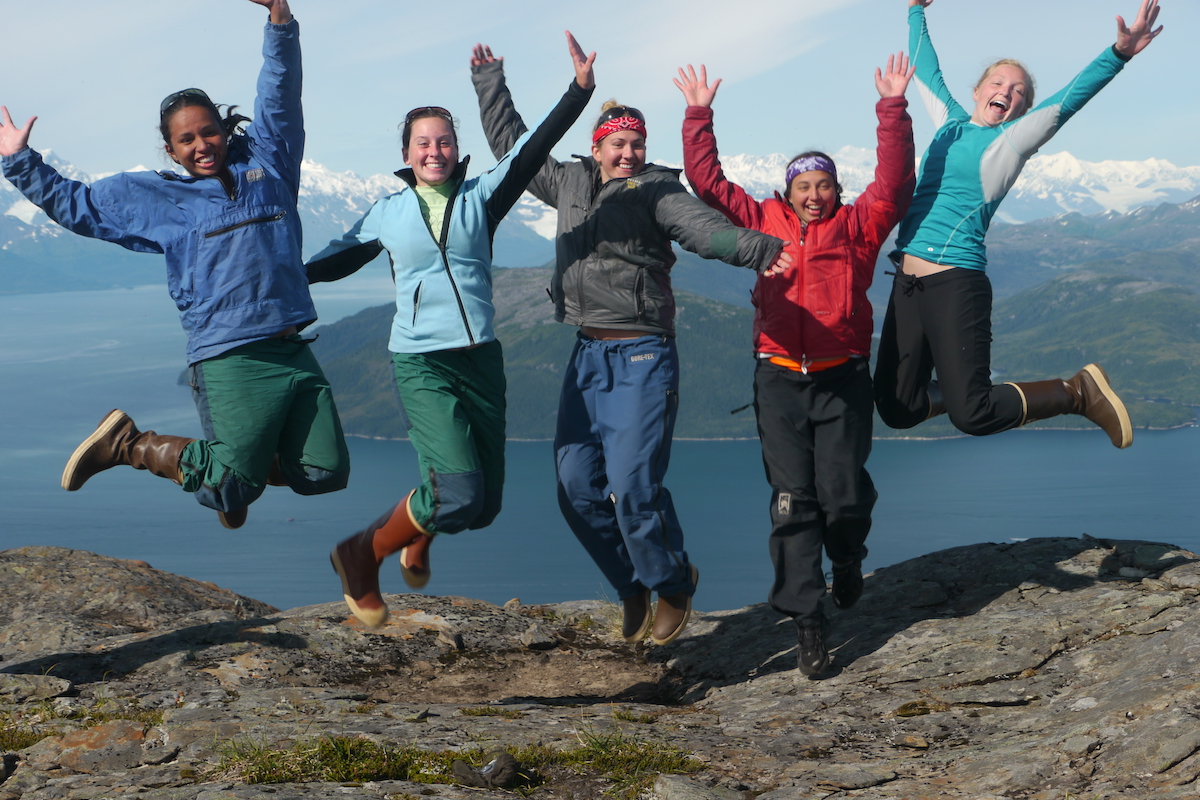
(812, 338)
(617, 219)
(939, 315)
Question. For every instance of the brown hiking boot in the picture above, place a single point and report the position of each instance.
(635, 623)
(117, 442)
(355, 562)
(673, 613)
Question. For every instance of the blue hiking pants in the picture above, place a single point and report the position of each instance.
(616, 416)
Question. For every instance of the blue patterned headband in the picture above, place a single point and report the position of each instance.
(808, 164)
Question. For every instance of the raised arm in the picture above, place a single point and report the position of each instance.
(701, 163)
(277, 134)
(707, 233)
(532, 152)
(938, 101)
(502, 124)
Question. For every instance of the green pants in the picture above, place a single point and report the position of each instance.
(255, 401)
(452, 402)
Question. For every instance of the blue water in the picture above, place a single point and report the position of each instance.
(67, 358)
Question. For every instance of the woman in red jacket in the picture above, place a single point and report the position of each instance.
(812, 338)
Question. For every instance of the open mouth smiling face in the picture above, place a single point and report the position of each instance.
(1000, 97)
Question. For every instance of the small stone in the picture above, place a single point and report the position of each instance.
(535, 638)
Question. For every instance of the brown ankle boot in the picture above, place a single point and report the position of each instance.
(1087, 394)
(673, 613)
(117, 442)
(357, 561)
(636, 617)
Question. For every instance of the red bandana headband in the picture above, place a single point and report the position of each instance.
(619, 124)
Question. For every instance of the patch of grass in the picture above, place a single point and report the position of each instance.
(629, 764)
(625, 715)
(28, 726)
(491, 711)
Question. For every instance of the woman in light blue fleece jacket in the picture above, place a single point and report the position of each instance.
(231, 235)
(448, 364)
(939, 315)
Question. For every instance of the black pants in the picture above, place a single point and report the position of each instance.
(816, 436)
(942, 321)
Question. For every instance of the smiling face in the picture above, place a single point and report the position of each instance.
(432, 151)
(620, 155)
(197, 142)
(1001, 96)
(813, 195)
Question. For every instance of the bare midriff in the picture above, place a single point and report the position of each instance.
(919, 267)
(609, 333)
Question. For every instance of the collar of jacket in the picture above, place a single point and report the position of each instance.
(590, 164)
(459, 174)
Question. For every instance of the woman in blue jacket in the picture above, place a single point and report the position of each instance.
(448, 364)
(230, 232)
(939, 315)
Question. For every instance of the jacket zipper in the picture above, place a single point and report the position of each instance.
(244, 223)
(441, 243)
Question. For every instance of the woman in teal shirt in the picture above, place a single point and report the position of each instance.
(939, 315)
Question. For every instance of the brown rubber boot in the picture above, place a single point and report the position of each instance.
(117, 442)
(357, 561)
(673, 613)
(636, 617)
(233, 519)
(1088, 394)
(414, 562)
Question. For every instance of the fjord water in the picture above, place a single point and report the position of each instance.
(67, 358)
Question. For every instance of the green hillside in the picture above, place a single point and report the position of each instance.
(1144, 330)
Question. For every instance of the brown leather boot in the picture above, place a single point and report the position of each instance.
(673, 613)
(1088, 394)
(357, 561)
(117, 442)
(636, 617)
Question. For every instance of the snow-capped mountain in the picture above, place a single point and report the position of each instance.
(330, 201)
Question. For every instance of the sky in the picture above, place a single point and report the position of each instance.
(798, 74)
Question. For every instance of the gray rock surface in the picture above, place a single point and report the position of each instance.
(1042, 669)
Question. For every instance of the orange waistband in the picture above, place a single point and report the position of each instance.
(806, 366)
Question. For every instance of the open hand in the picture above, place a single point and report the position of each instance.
(923, 3)
(1133, 39)
(894, 81)
(280, 13)
(12, 138)
(583, 64)
(695, 90)
(482, 54)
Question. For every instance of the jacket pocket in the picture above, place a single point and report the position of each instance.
(416, 303)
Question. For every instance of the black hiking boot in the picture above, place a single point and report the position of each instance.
(847, 584)
(811, 656)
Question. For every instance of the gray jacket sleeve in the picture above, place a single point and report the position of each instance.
(707, 233)
(503, 126)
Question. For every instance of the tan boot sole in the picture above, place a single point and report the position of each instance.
(113, 419)
(371, 617)
(1101, 378)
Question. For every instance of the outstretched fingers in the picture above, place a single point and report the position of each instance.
(12, 138)
(482, 54)
(584, 75)
(696, 90)
(1133, 39)
(894, 81)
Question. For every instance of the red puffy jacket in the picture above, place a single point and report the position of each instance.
(819, 307)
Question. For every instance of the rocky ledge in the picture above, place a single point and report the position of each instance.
(1049, 668)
